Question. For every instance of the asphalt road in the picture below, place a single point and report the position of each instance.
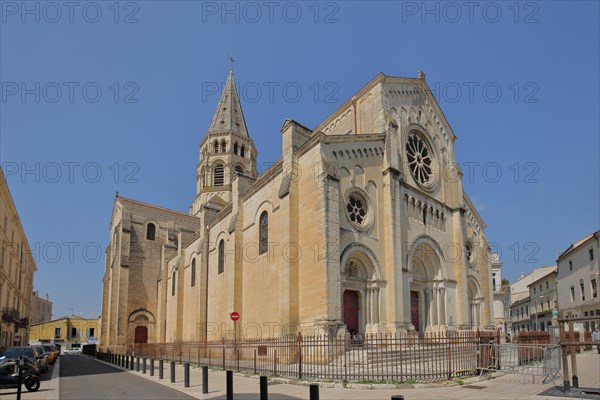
(84, 378)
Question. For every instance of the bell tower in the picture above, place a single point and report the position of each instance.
(225, 150)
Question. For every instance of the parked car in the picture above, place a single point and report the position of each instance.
(30, 355)
(72, 351)
(43, 356)
(10, 378)
(51, 351)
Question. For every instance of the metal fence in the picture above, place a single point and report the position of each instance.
(374, 358)
(524, 359)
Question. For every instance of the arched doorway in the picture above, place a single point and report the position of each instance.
(141, 334)
(474, 304)
(360, 290)
(351, 311)
(428, 297)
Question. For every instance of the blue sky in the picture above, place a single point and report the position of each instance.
(104, 97)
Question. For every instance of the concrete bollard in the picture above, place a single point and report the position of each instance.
(161, 369)
(186, 375)
(152, 367)
(127, 361)
(144, 365)
(137, 364)
(204, 379)
(314, 391)
(131, 363)
(229, 385)
(172, 371)
(264, 391)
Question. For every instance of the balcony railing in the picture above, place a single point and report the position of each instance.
(10, 315)
(23, 323)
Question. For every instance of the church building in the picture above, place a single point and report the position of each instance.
(361, 226)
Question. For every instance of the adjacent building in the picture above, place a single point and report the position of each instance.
(501, 295)
(17, 267)
(522, 299)
(66, 331)
(578, 276)
(362, 225)
(543, 300)
(41, 308)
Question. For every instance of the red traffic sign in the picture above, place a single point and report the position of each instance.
(234, 316)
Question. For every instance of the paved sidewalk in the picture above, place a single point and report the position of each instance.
(508, 386)
(48, 387)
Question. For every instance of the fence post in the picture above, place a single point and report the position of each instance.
(152, 367)
(172, 371)
(314, 391)
(264, 391)
(574, 378)
(186, 374)
(300, 362)
(449, 363)
(229, 385)
(254, 361)
(237, 356)
(204, 379)
(275, 362)
(223, 358)
(160, 369)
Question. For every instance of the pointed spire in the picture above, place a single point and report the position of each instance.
(229, 116)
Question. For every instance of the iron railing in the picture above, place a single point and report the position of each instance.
(375, 358)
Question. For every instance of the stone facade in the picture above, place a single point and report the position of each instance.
(41, 309)
(362, 224)
(17, 267)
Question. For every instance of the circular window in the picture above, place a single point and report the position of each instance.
(420, 160)
(357, 210)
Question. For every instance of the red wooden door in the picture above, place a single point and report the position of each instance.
(414, 309)
(141, 334)
(351, 310)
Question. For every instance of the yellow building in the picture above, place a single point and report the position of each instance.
(65, 331)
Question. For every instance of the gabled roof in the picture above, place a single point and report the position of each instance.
(228, 116)
(578, 243)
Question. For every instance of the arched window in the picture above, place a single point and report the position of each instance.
(223, 146)
(239, 169)
(150, 231)
(218, 175)
(173, 283)
(221, 266)
(235, 148)
(263, 232)
(216, 147)
(242, 151)
(193, 272)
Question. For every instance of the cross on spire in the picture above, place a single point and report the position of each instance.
(231, 61)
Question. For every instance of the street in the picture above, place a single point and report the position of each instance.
(84, 378)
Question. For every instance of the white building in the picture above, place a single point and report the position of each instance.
(578, 275)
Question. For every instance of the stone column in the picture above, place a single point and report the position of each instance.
(440, 305)
(376, 305)
(368, 306)
(434, 306)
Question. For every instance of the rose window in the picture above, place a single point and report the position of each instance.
(357, 209)
(419, 160)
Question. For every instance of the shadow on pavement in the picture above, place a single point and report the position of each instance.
(78, 365)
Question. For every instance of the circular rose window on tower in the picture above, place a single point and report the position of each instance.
(420, 160)
(358, 209)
